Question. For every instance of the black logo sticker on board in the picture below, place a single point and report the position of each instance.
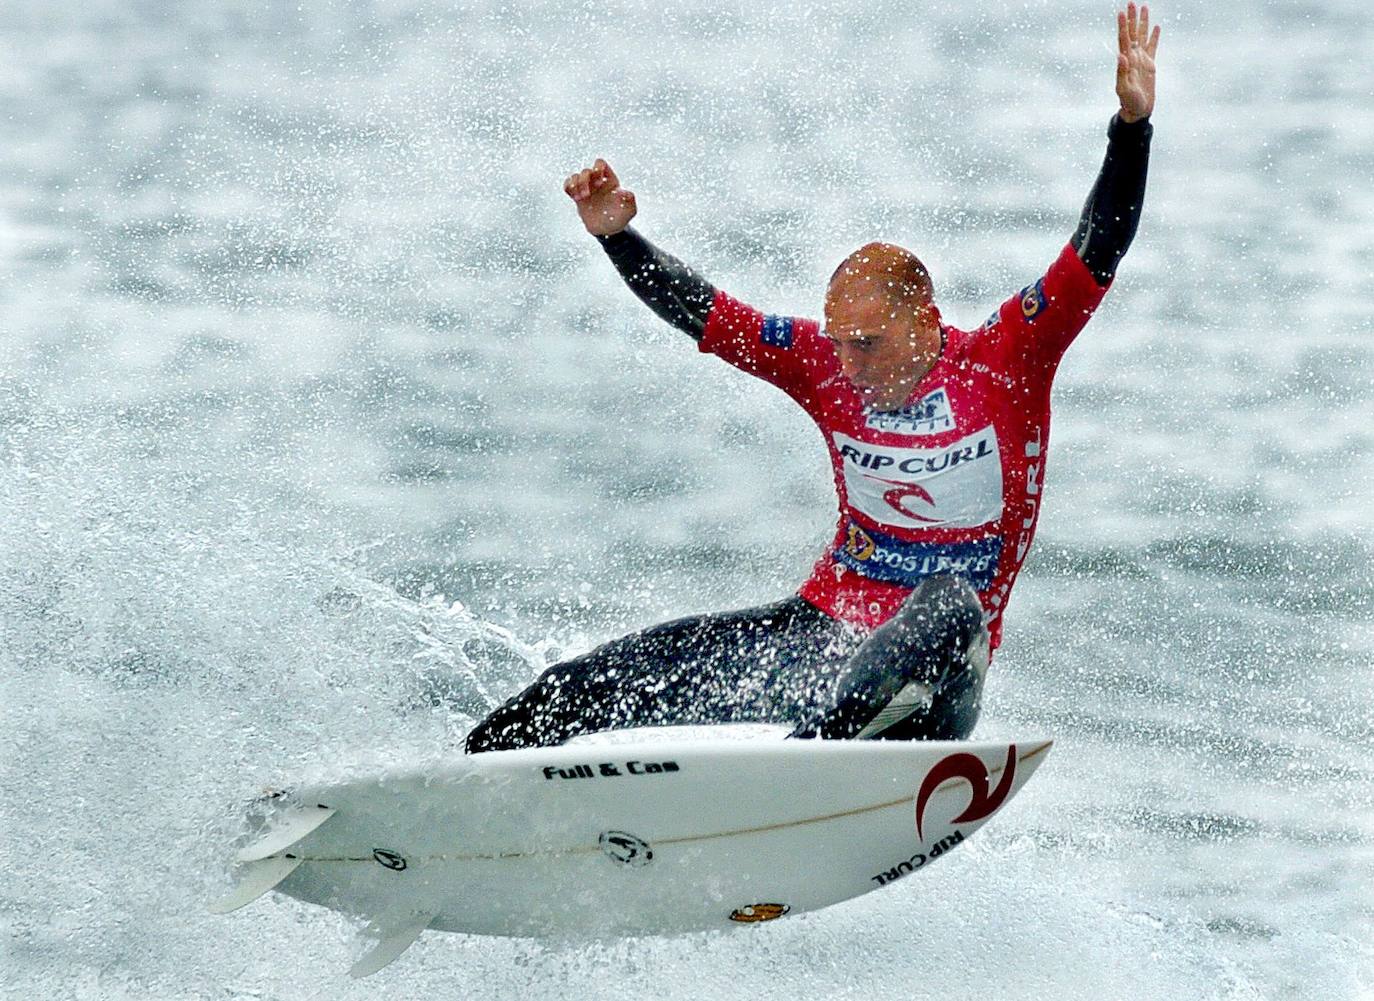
(625, 847)
(389, 860)
(610, 769)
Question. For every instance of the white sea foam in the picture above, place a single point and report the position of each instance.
(302, 345)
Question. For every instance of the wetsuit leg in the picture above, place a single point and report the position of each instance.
(918, 676)
(717, 668)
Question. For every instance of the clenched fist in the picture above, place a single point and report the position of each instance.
(605, 207)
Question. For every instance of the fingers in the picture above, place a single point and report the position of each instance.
(607, 174)
(579, 186)
(585, 183)
(1133, 30)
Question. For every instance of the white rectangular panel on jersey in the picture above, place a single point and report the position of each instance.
(931, 415)
(956, 486)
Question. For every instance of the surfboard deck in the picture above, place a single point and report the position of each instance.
(610, 839)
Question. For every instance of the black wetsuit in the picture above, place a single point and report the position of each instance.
(917, 676)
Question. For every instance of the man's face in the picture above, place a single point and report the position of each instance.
(884, 348)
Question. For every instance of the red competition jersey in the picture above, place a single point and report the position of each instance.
(951, 482)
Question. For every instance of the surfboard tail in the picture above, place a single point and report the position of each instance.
(263, 864)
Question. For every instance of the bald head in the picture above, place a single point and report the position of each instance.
(882, 323)
(886, 268)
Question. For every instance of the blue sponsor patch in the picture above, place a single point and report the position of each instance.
(777, 331)
(1033, 301)
(896, 561)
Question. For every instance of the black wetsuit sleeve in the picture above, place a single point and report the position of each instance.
(1112, 211)
(663, 283)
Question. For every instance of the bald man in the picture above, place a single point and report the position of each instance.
(937, 438)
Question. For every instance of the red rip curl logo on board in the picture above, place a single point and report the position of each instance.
(968, 766)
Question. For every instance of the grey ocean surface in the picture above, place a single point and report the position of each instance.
(322, 423)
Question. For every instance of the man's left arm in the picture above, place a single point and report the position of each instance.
(1112, 211)
(1044, 318)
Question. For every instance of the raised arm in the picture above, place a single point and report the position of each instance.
(667, 286)
(1112, 211)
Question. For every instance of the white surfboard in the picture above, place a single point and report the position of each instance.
(648, 837)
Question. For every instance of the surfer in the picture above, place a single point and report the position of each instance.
(937, 438)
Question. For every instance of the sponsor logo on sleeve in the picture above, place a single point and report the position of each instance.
(957, 486)
(929, 416)
(1033, 300)
(777, 332)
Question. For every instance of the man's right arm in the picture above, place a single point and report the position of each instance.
(784, 350)
(663, 283)
(777, 349)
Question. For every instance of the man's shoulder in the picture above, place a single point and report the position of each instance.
(781, 330)
(994, 350)
(786, 350)
(776, 330)
(962, 344)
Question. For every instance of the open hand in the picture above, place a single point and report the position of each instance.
(1135, 63)
(605, 207)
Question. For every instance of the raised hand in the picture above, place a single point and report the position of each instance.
(1135, 63)
(605, 207)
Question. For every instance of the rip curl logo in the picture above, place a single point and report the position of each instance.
(984, 803)
(958, 484)
(945, 844)
(899, 493)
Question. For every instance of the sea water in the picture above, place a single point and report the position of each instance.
(323, 425)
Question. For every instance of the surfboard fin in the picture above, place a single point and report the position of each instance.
(394, 937)
(255, 879)
(284, 830)
(913, 696)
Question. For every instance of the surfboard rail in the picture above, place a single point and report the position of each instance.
(625, 838)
